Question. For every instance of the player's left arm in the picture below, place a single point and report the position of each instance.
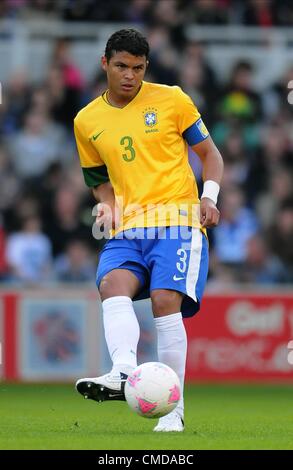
(191, 126)
(213, 166)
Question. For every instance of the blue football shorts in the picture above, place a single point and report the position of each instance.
(174, 258)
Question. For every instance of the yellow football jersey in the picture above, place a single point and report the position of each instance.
(140, 149)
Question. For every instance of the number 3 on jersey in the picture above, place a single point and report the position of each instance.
(127, 141)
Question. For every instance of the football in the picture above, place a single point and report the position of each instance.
(152, 390)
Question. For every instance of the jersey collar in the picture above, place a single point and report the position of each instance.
(138, 94)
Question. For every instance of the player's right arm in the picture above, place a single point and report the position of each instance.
(108, 212)
(96, 177)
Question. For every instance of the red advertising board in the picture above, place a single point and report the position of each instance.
(237, 337)
(10, 346)
(234, 337)
(48, 334)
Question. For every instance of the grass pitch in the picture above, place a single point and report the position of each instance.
(217, 417)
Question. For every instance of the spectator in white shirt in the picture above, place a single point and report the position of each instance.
(28, 253)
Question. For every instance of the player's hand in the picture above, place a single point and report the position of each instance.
(209, 214)
(108, 216)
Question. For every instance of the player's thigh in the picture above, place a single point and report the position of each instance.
(119, 282)
(121, 269)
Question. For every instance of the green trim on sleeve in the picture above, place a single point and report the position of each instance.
(96, 175)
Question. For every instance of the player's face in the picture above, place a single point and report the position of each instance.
(125, 73)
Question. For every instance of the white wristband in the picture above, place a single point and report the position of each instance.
(211, 190)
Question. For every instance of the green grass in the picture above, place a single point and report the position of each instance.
(217, 417)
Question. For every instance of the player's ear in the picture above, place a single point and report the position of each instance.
(104, 63)
(147, 63)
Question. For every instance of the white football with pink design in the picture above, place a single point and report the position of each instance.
(152, 390)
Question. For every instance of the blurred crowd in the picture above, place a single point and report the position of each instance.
(174, 13)
(46, 209)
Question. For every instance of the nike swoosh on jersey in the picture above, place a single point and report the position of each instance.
(94, 137)
(176, 278)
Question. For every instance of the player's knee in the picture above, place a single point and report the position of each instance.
(106, 288)
(118, 283)
(111, 287)
(165, 302)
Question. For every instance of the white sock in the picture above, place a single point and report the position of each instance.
(172, 347)
(121, 332)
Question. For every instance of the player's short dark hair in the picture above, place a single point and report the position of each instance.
(128, 40)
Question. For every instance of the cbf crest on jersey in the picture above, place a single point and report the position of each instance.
(150, 117)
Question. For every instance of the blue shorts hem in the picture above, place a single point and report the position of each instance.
(139, 275)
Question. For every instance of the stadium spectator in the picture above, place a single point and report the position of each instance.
(209, 12)
(221, 276)
(65, 224)
(165, 13)
(139, 11)
(163, 59)
(72, 76)
(64, 99)
(163, 66)
(26, 205)
(280, 236)
(284, 12)
(239, 107)
(237, 160)
(40, 9)
(239, 99)
(77, 264)
(37, 145)
(12, 8)
(10, 185)
(269, 202)
(261, 266)
(272, 152)
(28, 253)
(15, 102)
(199, 80)
(275, 98)
(237, 225)
(259, 13)
(91, 10)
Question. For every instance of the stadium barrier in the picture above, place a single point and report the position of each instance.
(57, 335)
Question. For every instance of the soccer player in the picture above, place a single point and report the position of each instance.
(133, 147)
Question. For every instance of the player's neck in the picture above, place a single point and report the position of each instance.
(119, 101)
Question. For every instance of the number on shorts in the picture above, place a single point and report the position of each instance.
(181, 266)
